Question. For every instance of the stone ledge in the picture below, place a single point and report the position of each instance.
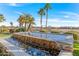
(51, 46)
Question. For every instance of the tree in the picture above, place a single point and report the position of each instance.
(47, 7)
(21, 20)
(11, 23)
(26, 19)
(1, 18)
(30, 22)
(41, 13)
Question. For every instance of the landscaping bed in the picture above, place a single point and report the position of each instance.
(3, 51)
(76, 49)
(76, 43)
(74, 33)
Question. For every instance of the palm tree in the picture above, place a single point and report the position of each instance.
(41, 13)
(1, 18)
(26, 18)
(47, 7)
(30, 22)
(11, 23)
(21, 20)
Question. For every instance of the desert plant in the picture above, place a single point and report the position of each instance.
(56, 32)
(20, 30)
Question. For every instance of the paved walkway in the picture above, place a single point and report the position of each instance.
(17, 51)
(65, 53)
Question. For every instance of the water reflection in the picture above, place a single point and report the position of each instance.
(65, 38)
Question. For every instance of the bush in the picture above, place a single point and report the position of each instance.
(56, 32)
(44, 31)
(76, 49)
(75, 36)
(20, 29)
(67, 33)
(11, 31)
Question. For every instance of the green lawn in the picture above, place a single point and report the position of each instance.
(4, 35)
(76, 49)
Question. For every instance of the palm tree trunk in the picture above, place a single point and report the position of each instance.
(28, 27)
(25, 26)
(41, 23)
(46, 18)
(19, 24)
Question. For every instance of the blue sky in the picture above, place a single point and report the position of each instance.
(61, 14)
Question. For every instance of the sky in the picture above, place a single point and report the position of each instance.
(61, 14)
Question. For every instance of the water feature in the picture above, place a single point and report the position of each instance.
(27, 48)
(35, 51)
(65, 38)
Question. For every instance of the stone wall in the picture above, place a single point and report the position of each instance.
(51, 46)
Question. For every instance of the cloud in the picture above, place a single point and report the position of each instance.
(66, 16)
(12, 4)
(20, 13)
(71, 15)
(19, 4)
(56, 20)
(49, 20)
(8, 24)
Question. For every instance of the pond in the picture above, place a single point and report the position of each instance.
(64, 38)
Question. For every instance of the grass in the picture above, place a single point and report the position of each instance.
(4, 35)
(76, 49)
(74, 33)
(55, 32)
(44, 31)
(76, 44)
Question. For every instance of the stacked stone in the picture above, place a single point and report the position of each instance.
(51, 46)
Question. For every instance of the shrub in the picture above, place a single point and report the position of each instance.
(75, 36)
(20, 29)
(67, 33)
(56, 32)
(11, 30)
(76, 49)
(45, 31)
